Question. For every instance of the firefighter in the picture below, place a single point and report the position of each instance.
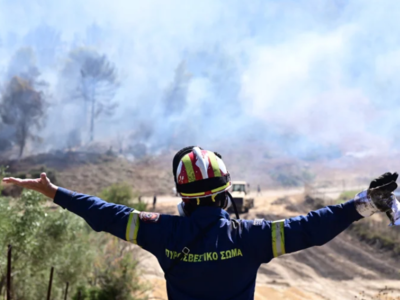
(204, 253)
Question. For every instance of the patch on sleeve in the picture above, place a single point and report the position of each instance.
(257, 222)
(149, 217)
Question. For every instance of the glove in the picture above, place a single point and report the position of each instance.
(379, 196)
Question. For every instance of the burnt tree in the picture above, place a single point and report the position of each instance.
(95, 83)
(23, 108)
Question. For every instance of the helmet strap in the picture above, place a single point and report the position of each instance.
(230, 199)
(181, 209)
(224, 205)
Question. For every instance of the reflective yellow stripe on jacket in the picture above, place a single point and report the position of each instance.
(133, 227)
(278, 238)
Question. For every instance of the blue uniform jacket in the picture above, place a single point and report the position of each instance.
(223, 265)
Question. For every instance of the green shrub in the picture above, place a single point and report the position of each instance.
(20, 175)
(285, 179)
(118, 193)
(140, 206)
(377, 234)
(39, 241)
(291, 175)
(307, 176)
(51, 174)
(118, 281)
(3, 173)
(347, 195)
(42, 238)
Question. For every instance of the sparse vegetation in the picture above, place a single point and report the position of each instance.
(378, 234)
(346, 195)
(118, 193)
(140, 206)
(116, 279)
(373, 232)
(96, 262)
(122, 193)
(51, 174)
(3, 173)
(313, 203)
(291, 175)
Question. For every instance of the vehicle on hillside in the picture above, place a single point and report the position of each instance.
(240, 195)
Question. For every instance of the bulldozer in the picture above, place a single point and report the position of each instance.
(240, 196)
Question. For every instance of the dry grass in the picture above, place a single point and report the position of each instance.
(92, 172)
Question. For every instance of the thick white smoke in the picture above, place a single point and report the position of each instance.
(300, 76)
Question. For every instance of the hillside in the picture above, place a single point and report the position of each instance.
(345, 268)
(91, 172)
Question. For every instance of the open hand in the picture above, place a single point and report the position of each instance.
(41, 185)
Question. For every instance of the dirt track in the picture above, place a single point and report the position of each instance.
(342, 269)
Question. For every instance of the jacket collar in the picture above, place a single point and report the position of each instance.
(205, 214)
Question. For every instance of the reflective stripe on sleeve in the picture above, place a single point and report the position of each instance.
(278, 238)
(133, 227)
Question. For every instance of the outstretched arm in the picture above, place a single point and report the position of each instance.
(119, 220)
(272, 239)
(320, 226)
(41, 185)
(99, 214)
(315, 229)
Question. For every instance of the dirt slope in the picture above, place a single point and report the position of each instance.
(342, 269)
(90, 172)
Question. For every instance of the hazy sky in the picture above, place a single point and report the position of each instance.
(301, 75)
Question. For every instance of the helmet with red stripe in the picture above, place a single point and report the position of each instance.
(199, 173)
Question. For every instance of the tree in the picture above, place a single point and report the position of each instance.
(6, 134)
(42, 237)
(174, 104)
(176, 94)
(23, 108)
(41, 240)
(94, 81)
(74, 139)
